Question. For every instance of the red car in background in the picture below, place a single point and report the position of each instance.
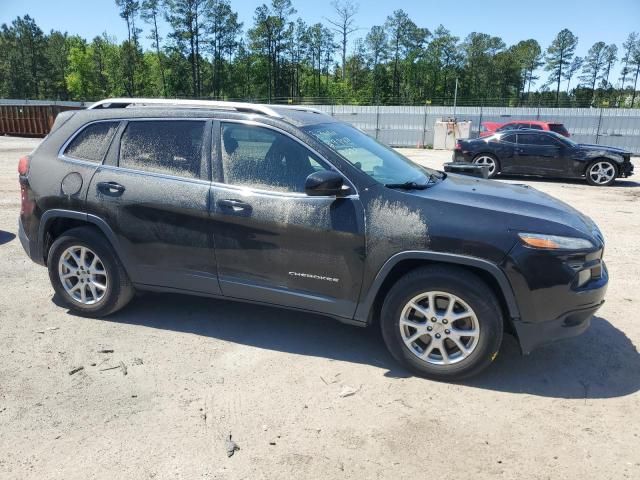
(489, 128)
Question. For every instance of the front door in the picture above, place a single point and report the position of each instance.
(153, 192)
(539, 154)
(273, 243)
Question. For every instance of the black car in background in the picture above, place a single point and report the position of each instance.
(548, 154)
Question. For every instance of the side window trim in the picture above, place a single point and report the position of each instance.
(82, 128)
(205, 152)
(219, 167)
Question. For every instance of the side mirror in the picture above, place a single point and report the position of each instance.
(324, 183)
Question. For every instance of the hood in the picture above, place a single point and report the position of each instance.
(514, 206)
(603, 148)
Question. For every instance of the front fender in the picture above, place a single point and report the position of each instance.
(368, 299)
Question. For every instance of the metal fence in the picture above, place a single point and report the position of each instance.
(397, 126)
(400, 126)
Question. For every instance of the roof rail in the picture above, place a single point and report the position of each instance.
(145, 102)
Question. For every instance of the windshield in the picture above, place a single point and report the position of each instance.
(376, 160)
(563, 139)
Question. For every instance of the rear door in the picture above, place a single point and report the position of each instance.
(153, 192)
(274, 243)
(539, 154)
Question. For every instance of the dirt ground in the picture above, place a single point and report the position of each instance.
(199, 370)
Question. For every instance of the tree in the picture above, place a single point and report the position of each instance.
(559, 56)
(480, 52)
(628, 47)
(529, 56)
(634, 62)
(344, 25)
(150, 11)
(575, 66)
(400, 28)
(593, 64)
(184, 16)
(129, 10)
(376, 44)
(610, 58)
(223, 29)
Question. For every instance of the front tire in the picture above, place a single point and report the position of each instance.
(442, 322)
(86, 273)
(601, 173)
(490, 161)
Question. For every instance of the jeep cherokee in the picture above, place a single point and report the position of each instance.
(287, 206)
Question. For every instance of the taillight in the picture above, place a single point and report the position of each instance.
(23, 165)
(26, 203)
(458, 146)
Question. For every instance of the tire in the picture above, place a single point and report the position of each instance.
(488, 160)
(467, 290)
(104, 284)
(601, 173)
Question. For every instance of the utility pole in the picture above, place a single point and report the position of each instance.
(455, 99)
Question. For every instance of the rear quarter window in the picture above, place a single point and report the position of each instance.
(92, 142)
(558, 128)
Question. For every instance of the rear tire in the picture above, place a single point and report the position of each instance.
(469, 331)
(601, 173)
(86, 273)
(488, 160)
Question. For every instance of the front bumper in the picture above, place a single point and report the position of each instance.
(626, 169)
(557, 294)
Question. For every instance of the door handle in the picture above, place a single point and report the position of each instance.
(110, 188)
(235, 206)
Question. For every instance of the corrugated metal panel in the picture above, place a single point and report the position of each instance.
(29, 120)
(402, 126)
(398, 126)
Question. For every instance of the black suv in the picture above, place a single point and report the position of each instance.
(287, 206)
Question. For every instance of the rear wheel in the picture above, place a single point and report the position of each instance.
(489, 161)
(442, 322)
(86, 273)
(601, 173)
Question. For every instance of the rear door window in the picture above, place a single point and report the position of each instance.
(171, 147)
(92, 142)
(559, 128)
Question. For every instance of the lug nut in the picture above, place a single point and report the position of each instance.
(445, 321)
(447, 332)
(437, 335)
(434, 319)
(429, 328)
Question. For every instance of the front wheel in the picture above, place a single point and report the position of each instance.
(490, 162)
(442, 322)
(601, 173)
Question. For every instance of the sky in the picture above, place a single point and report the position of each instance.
(512, 21)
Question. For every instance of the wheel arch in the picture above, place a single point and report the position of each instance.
(614, 160)
(403, 262)
(55, 222)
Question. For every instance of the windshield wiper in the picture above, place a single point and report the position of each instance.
(412, 185)
(408, 185)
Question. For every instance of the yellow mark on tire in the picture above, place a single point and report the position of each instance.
(493, 357)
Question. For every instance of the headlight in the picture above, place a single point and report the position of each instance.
(554, 242)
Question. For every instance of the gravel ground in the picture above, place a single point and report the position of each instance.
(198, 370)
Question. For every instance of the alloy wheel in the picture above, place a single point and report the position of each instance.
(486, 161)
(83, 275)
(602, 172)
(439, 328)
